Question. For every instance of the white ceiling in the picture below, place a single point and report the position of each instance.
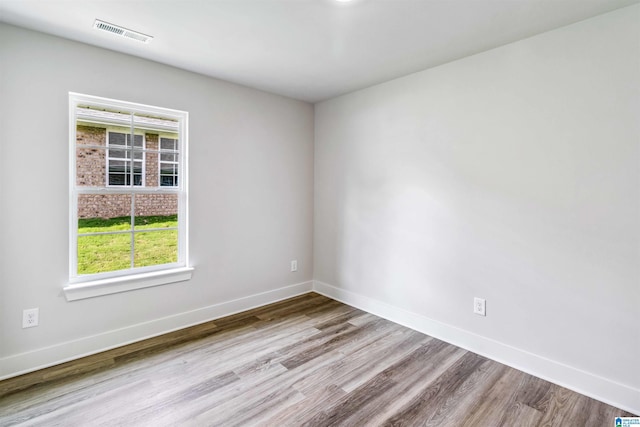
(305, 49)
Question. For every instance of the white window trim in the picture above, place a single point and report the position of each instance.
(131, 282)
(88, 286)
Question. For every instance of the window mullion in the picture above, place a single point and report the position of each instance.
(106, 233)
(133, 196)
(120, 189)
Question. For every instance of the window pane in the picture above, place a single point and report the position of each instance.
(116, 138)
(164, 157)
(91, 135)
(103, 253)
(118, 154)
(90, 167)
(104, 212)
(118, 179)
(158, 221)
(169, 169)
(168, 181)
(168, 144)
(156, 211)
(121, 166)
(156, 247)
(120, 172)
(168, 162)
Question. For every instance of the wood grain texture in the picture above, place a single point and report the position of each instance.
(306, 361)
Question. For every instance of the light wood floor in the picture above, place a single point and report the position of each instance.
(305, 361)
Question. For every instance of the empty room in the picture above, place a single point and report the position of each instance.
(320, 212)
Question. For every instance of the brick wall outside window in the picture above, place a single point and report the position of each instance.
(91, 171)
(151, 161)
(91, 162)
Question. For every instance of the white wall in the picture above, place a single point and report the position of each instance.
(511, 175)
(251, 172)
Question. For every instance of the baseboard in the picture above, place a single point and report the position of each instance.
(18, 364)
(610, 392)
(619, 395)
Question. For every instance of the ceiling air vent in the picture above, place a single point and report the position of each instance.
(121, 31)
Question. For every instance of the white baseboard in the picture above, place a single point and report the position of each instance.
(610, 392)
(23, 363)
(607, 391)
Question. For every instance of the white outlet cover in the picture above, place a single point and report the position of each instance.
(294, 265)
(30, 317)
(479, 306)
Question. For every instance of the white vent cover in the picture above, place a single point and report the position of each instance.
(121, 31)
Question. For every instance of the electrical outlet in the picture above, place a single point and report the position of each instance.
(479, 306)
(294, 265)
(30, 317)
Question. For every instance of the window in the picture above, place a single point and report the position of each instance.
(128, 219)
(119, 159)
(168, 162)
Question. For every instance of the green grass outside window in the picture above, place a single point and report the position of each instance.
(112, 252)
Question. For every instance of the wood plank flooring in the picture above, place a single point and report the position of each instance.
(306, 361)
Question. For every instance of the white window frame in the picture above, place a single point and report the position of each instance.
(92, 285)
(143, 162)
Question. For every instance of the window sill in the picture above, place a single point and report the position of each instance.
(97, 288)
